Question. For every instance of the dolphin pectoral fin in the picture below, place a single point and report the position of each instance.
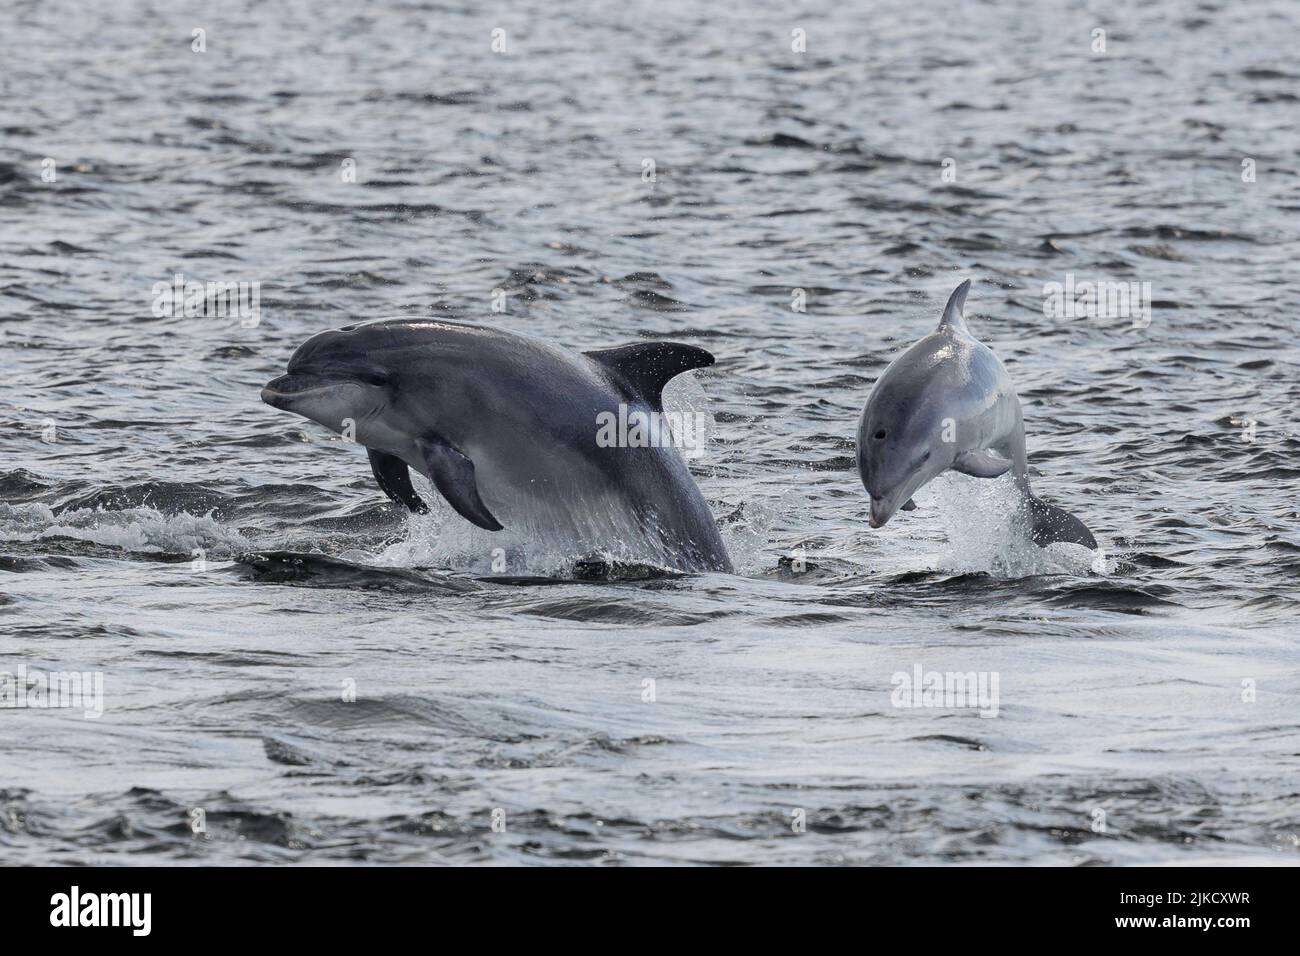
(981, 464)
(646, 368)
(1049, 524)
(395, 480)
(908, 505)
(453, 475)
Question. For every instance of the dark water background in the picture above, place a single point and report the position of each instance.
(1121, 681)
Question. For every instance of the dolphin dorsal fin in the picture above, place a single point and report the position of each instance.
(954, 312)
(645, 368)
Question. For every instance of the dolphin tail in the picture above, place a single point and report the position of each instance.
(1048, 523)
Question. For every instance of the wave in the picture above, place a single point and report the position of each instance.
(139, 529)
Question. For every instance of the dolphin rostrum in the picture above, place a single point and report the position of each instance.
(947, 402)
(508, 430)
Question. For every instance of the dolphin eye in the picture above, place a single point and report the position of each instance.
(880, 434)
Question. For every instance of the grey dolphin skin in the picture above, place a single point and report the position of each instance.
(947, 402)
(506, 429)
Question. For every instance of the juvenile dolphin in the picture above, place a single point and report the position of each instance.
(947, 402)
(506, 428)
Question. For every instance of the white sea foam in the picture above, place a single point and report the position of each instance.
(131, 529)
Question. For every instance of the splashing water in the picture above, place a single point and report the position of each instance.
(131, 529)
(985, 531)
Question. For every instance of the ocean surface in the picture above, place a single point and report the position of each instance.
(293, 671)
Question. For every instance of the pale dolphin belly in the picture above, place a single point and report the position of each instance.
(565, 500)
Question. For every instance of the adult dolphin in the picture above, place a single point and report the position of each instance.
(947, 402)
(507, 428)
